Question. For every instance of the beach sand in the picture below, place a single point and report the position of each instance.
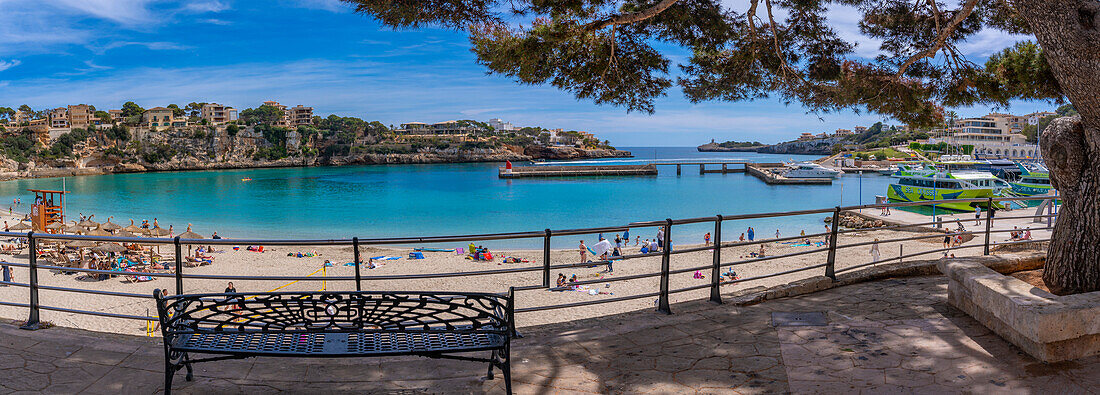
(275, 262)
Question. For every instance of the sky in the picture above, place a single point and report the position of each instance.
(318, 53)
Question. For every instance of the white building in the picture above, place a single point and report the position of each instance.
(1033, 118)
(995, 135)
(501, 126)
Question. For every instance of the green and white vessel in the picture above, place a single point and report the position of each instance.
(927, 182)
(1033, 181)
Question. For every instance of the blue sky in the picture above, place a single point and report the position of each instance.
(317, 53)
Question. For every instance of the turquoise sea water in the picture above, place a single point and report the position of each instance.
(431, 200)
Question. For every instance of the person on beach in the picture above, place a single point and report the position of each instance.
(752, 234)
(742, 239)
(777, 233)
(947, 241)
(977, 215)
(874, 251)
(618, 243)
(706, 239)
(637, 239)
(561, 280)
(1027, 234)
(803, 232)
(231, 297)
(654, 247)
(7, 274)
(584, 251)
(661, 235)
(761, 254)
(6, 229)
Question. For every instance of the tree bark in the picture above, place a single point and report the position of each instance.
(1069, 33)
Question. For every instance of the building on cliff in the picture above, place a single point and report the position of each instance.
(157, 118)
(217, 114)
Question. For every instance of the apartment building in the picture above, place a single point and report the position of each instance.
(80, 116)
(58, 118)
(560, 137)
(501, 126)
(116, 115)
(22, 117)
(844, 132)
(299, 115)
(157, 118)
(439, 129)
(859, 129)
(217, 114)
(995, 134)
(1033, 118)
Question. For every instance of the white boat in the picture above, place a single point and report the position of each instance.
(810, 170)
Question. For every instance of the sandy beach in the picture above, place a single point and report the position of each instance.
(275, 262)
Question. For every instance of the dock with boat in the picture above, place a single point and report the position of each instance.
(768, 172)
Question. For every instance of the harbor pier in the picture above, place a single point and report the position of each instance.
(763, 171)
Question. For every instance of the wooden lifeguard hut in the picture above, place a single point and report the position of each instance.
(48, 208)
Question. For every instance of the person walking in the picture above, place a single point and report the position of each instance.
(874, 251)
(584, 251)
(706, 239)
(977, 215)
(777, 233)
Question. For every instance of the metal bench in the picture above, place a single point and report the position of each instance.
(333, 325)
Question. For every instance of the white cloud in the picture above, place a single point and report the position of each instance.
(327, 5)
(154, 45)
(4, 65)
(206, 6)
(127, 12)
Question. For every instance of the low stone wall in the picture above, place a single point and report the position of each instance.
(1008, 263)
(1048, 327)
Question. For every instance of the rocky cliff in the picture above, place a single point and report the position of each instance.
(821, 146)
(559, 153)
(714, 147)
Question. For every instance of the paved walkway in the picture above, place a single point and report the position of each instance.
(887, 336)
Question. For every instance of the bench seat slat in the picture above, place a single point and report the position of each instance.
(334, 344)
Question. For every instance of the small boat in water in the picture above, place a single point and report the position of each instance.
(810, 170)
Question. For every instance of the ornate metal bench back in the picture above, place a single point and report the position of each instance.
(335, 312)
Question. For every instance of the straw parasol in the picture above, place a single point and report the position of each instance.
(110, 226)
(109, 247)
(157, 232)
(55, 226)
(98, 232)
(80, 244)
(87, 223)
(189, 235)
(74, 228)
(20, 226)
(124, 233)
(133, 228)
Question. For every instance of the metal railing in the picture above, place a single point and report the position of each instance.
(665, 272)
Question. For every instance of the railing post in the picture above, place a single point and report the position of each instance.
(546, 260)
(358, 261)
(32, 319)
(988, 224)
(662, 300)
(179, 266)
(830, 264)
(716, 269)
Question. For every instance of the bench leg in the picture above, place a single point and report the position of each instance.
(169, 371)
(187, 364)
(506, 368)
(492, 360)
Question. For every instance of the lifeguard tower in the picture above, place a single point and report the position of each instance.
(48, 208)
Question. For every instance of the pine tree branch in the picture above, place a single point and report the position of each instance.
(941, 39)
(626, 19)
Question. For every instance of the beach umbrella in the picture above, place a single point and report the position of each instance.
(109, 247)
(110, 226)
(55, 226)
(74, 228)
(189, 235)
(133, 228)
(98, 232)
(80, 244)
(87, 223)
(20, 226)
(157, 232)
(124, 233)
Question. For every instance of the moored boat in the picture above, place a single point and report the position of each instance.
(928, 184)
(1032, 181)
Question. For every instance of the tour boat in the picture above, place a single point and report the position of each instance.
(810, 170)
(1032, 181)
(929, 183)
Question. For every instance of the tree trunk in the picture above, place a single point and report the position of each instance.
(1069, 33)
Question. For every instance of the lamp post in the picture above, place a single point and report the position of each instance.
(935, 179)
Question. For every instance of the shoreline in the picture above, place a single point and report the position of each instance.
(181, 166)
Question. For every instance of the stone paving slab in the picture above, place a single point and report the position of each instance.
(888, 336)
